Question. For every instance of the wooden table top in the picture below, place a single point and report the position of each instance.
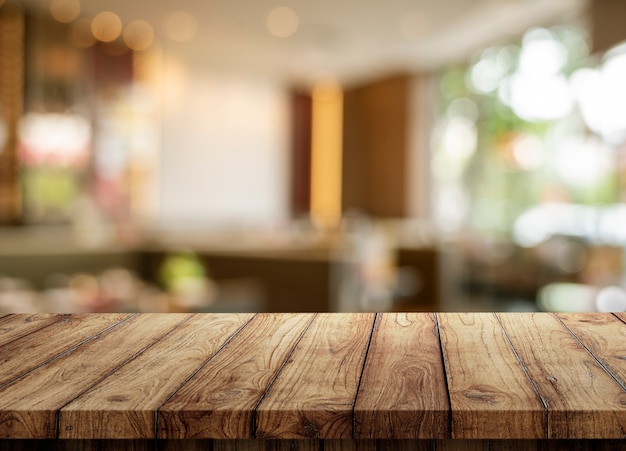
(326, 376)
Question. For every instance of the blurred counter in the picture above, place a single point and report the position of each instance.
(302, 276)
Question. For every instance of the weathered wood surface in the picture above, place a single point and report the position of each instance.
(126, 402)
(403, 387)
(220, 399)
(313, 397)
(310, 445)
(583, 400)
(490, 393)
(344, 379)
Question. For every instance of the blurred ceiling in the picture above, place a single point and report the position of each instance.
(344, 39)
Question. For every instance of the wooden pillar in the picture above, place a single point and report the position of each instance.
(11, 106)
(301, 114)
(607, 24)
(386, 147)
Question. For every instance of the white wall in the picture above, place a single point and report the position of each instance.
(224, 154)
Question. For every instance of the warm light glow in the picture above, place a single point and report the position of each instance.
(106, 26)
(528, 151)
(326, 155)
(138, 35)
(80, 34)
(61, 138)
(65, 10)
(541, 98)
(542, 54)
(180, 26)
(460, 138)
(538, 90)
(582, 162)
(282, 22)
(601, 95)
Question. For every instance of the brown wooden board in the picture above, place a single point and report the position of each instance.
(123, 405)
(314, 395)
(490, 395)
(13, 327)
(604, 336)
(28, 407)
(30, 351)
(218, 402)
(403, 390)
(583, 400)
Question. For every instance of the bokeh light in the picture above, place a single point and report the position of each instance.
(611, 299)
(528, 152)
(180, 26)
(460, 138)
(601, 94)
(138, 35)
(542, 53)
(282, 22)
(106, 26)
(65, 11)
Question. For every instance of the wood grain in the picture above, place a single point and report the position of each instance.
(314, 395)
(584, 401)
(267, 445)
(28, 352)
(604, 336)
(220, 399)
(28, 407)
(123, 406)
(289, 381)
(621, 316)
(490, 395)
(403, 390)
(13, 327)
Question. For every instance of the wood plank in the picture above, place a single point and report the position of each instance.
(267, 445)
(311, 445)
(379, 445)
(349, 445)
(604, 336)
(403, 390)
(28, 407)
(13, 327)
(621, 316)
(314, 395)
(220, 399)
(584, 401)
(461, 444)
(490, 395)
(123, 406)
(28, 352)
(184, 445)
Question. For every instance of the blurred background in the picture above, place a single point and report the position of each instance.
(212, 155)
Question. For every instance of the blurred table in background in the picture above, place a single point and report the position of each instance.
(269, 277)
